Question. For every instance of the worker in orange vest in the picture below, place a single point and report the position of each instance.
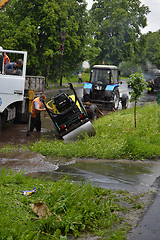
(37, 108)
(6, 59)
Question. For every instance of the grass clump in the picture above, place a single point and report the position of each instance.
(73, 78)
(115, 137)
(75, 209)
(8, 148)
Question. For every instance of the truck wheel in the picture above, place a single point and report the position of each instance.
(124, 101)
(93, 112)
(22, 117)
(116, 99)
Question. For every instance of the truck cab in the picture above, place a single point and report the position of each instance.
(16, 88)
(12, 86)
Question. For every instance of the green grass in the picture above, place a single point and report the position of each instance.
(75, 209)
(115, 137)
(72, 78)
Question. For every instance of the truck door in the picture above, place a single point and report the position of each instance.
(12, 86)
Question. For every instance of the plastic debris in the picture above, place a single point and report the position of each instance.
(28, 193)
(41, 210)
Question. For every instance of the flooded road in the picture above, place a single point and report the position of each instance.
(117, 174)
(16, 134)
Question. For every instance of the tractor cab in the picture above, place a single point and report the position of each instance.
(105, 75)
(103, 87)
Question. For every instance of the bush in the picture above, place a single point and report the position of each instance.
(87, 70)
(129, 67)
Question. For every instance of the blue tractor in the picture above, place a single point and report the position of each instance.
(102, 90)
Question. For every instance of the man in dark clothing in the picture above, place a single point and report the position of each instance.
(80, 77)
(14, 68)
(37, 108)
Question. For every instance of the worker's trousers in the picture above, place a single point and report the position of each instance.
(36, 123)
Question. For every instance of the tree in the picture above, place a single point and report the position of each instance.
(129, 67)
(153, 48)
(138, 85)
(118, 23)
(35, 26)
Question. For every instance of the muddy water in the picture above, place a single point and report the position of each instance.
(16, 134)
(122, 175)
(27, 162)
(118, 174)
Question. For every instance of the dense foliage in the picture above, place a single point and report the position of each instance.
(109, 32)
(153, 48)
(118, 28)
(146, 58)
(35, 26)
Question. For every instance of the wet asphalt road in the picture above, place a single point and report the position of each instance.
(149, 226)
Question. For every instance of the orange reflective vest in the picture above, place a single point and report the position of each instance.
(6, 60)
(34, 111)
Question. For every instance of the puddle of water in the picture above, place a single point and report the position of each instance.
(129, 175)
(121, 174)
(26, 161)
(118, 174)
(16, 134)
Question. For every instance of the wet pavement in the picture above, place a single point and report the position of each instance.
(148, 227)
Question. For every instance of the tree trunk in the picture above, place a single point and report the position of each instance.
(61, 69)
(135, 106)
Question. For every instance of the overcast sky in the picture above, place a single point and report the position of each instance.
(153, 18)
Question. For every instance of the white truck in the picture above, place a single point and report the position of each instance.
(14, 89)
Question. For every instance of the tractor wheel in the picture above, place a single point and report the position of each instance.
(124, 101)
(116, 99)
(93, 112)
(86, 98)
